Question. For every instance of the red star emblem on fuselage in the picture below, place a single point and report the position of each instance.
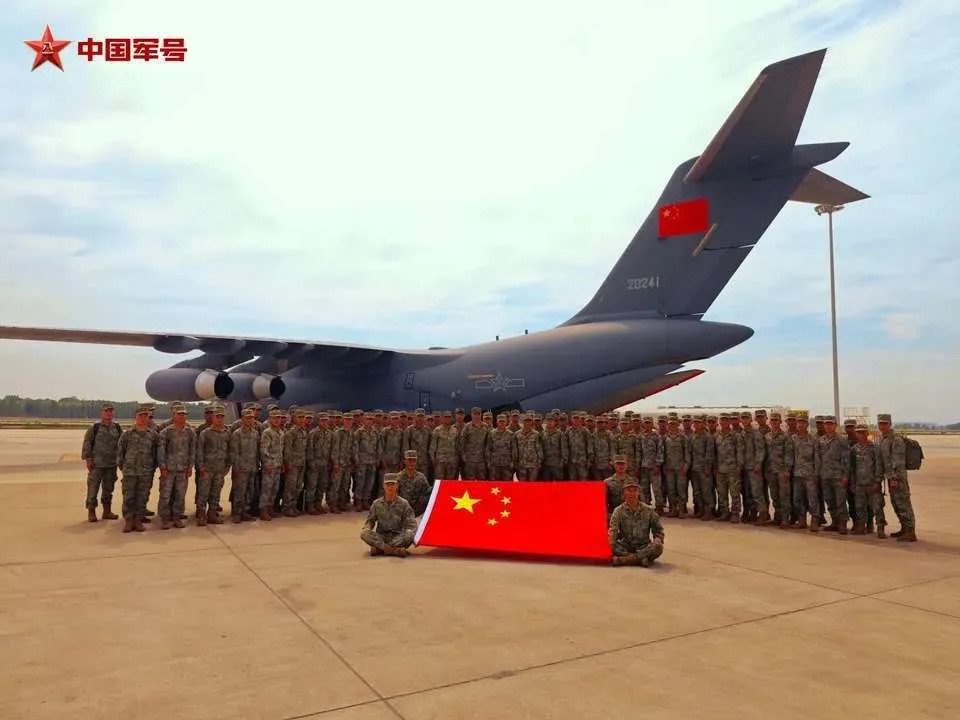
(47, 49)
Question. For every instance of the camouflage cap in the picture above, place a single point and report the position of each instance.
(394, 414)
(672, 415)
(624, 421)
(861, 428)
(219, 410)
(849, 422)
(308, 414)
(775, 416)
(476, 410)
(487, 414)
(273, 406)
(631, 482)
(208, 409)
(292, 408)
(459, 411)
(884, 417)
(276, 413)
(248, 412)
(419, 412)
(648, 419)
(106, 406)
(620, 459)
(142, 408)
(503, 416)
(828, 419)
(761, 413)
(178, 408)
(378, 412)
(323, 416)
(446, 413)
(700, 418)
(514, 413)
(791, 415)
(690, 417)
(672, 421)
(628, 413)
(151, 406)
(713, 418)
(745, 415)
(391, 478)
(410, 455)
(528, 417)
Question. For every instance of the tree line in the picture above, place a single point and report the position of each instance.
(71, 408)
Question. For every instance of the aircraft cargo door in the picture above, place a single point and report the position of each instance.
(424, 401)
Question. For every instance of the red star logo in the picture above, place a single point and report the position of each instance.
(47, 49)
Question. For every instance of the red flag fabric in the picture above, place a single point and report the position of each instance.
(684, 218)
(554, 519)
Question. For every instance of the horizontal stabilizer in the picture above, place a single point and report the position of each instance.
(819, 188)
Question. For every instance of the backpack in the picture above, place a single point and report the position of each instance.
(914, 453)
(93, 438)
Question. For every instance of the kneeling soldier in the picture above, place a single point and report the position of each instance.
(631, 525)
(390, 524)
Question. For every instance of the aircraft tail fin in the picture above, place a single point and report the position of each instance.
(716, 206)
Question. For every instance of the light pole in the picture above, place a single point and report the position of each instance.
(830, 210)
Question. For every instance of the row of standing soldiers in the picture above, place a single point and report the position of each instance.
(323, 462)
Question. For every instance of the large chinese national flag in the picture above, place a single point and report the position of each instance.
(684, 218)
(555, 519)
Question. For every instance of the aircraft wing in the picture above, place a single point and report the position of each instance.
(220, 345)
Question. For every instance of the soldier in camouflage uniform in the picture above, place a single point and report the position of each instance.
(676, 460)
(850, 430)
(294, 461)
(806, 476)
(555, 451)
(754, 456)
(868, 489)
(100, 455)
(207, 422)
(834, 473)
(580, 450)
(703, 453)
(444, 448)
(344, 454)
(529, 451)
(412, 484)
(614, 484)
(244, 457)
(729, 464)
(603, 450)
(176, 454)
(368, 457)
(213, 459)
(391, 523)
(779, 466)
(319, 462)
(501, 451)
(473, 447)
(136, 458)
(650, 460)
(630, 527)
(417, 437)
(893, 455)
(625, 443)
(271, 462)
(391, 444)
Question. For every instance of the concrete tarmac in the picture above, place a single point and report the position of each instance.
(291, 619)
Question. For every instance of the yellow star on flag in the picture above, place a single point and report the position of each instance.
(505, 513)
(491, 521)
(495, 491)
(465, 502)
(505, 501)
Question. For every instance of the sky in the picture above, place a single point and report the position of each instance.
(438, 173)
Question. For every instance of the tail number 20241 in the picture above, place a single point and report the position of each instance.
(643, 283)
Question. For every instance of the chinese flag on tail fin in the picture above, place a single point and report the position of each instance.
(684, 218)
(553, 519)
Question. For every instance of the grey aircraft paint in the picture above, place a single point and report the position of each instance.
(629, 341)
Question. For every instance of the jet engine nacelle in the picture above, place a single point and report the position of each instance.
(249, 386)
(188, 384)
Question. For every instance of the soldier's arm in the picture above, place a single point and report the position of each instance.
(86, 453)
(878, 473)
(233, 449)
(591, 448)
(656, 527)
(687, 452)
(613, 528)
(162, 450)
(355, 449)
(514, 451)
(817, 459)
(409, 519)
(660, 451)
(371, 522)
(121, 448)
(898, 456)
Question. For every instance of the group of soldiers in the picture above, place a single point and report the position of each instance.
(736, 467)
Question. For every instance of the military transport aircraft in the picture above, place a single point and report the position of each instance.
(631, 340)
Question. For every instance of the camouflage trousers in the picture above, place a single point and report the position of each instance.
(292, 484)
(649, 480)
(136, 490)
(728, 492)
(902, 505)
(835, 493)
(316, 486)
(209, 487)
(346, 483)
(703, 479)
(474, 470)
(102, 481)
(811, 486)
(772, 488)
(501, 473)
(784, 496)
(240, 490)
(527, 474)
(146, 492)
(374, 539)
(676, 487)
(602, 470)
(579, 471)
(693, 484)
(641, 550)
(445, 470)
(869, 495)
(268, 489)
(553, 472)
(363, 483)
(173, 495)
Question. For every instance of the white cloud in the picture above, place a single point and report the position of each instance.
(901, 326)
(347, 164)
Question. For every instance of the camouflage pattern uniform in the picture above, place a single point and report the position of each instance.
(244, 461)
(344, 455)
(473, 446)
(580, 450)
(555, 453)
(319, 462)
(176, 454)
(418, 438)
(445, 451)
(650, 452)
(629, 532)
(754, 457)
(625, 443)
(603, 452)
(389, 523)
(780, 457)
(415, 489)
(729, 464)
(368, 457)
(834, 477)
(703, 453)
(271, 462)
(676, 460)
(806, 476)
(868, 489)
(102, 454)
(294, 460)
(213, 458)
(893, 453)
(136, 458)
(529, 453)
(391, 448)
(501, 454)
